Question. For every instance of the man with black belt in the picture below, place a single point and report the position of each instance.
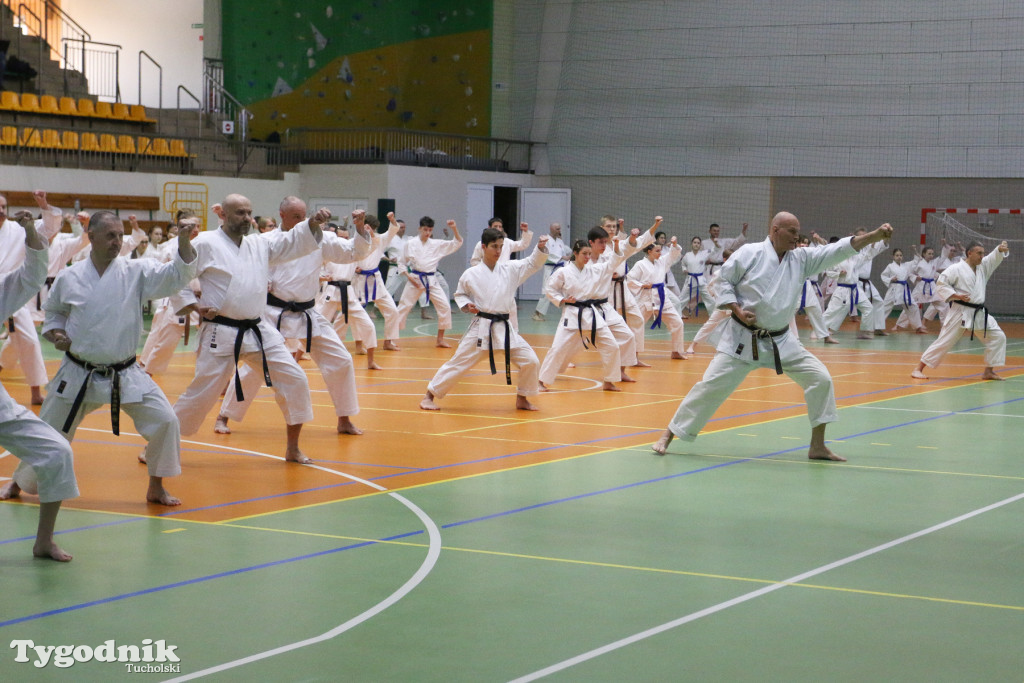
(963, 285)
(234, 275)
(291, 300)
(486, 290)
(761, 284)
(94, 315)
(715, 245)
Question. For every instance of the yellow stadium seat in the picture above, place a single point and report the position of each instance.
(104, 110)
(178, 148)
(68, 106)
(30, 137)
(120, 111)
(86, 107)
(69, 140)
(160, 148)
(90, 143)
(144, 144)
(51, 139)
(9, 101)
(126, 144)
(48, 105)
(9, 136)
(29, 101)
(108, 143)
(137, 112)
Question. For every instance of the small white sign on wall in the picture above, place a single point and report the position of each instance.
(227, 127)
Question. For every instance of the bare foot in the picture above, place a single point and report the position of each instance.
(539, 317)
(881, 333)
(625, 378)
(608, 386)
(345, 426)
(221, 425)
(690, 351)
(360, 349)
(678, 356)
(571, 365)
(425, 315)
(50, 551)
(640, 364)
(543, 387)
(523, 404)
(823, 453)
(37, 396)
(831, 340)
(865, 335)
(373, 366)
(921, 330)
(160, 496)
(297, 456)
(990, 374)
(142, 456)
(390, 345)
(917, 374)
(10, 490)
(442, 344)
(427, 403)
(661, 445)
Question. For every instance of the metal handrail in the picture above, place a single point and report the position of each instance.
(117, 61)
(239, 113)
(177, 113)
(160, 70)
(22, 7)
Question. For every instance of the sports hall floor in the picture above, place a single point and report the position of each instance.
(485, 544)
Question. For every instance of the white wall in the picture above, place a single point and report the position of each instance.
(160, 27)
(929, 88)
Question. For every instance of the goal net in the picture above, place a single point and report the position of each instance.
(1005, 289)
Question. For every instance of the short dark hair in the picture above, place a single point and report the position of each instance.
(714, 225)
(493, 220)
(102, 217)
(647, 249)
(578, 245)
(972, 244)
(372, 221)
(491, 235)
(597, 233)
(658, 234)
(426, 222)
(895, 250)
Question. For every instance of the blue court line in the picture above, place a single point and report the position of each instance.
(409, 534)
(76, 529)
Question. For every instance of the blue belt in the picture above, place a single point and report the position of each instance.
(371, 273)
(694, 281)
(927, 289)
(425, 279)
(907, 302)
(661, 306)
(854, 296)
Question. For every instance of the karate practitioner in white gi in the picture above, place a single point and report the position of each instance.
(46, 453)
(716, 244)
(849, 295)
(341, 305)
(620, 299)
(422, 255)
(899, 280)
(487, 291)
(290, 310)
(94, 315)
(369, 284)
(234, 274)
(810, 299)
(167, 327)
(695, 269)
(761, 285)
(558, 254)
(647, 281)
(22, 343)
(963, 286)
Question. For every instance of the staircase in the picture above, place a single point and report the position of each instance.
(51, 78)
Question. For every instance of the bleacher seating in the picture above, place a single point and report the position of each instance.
(48, 105)
(85, 108)
(90, 141)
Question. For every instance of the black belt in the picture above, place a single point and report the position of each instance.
(114, 372)
(303, 308)
(244, 326)
(342, 286)
(619, 294)
(714, 263)
(39, 294)
(977, 308)
(761, 333)
(495, 317)
(596, 304)
(866, 281)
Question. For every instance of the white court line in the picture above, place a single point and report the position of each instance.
(937, 412)
(799, 578)
(433, 553)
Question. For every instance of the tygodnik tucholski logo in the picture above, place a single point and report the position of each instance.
(151, 656)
